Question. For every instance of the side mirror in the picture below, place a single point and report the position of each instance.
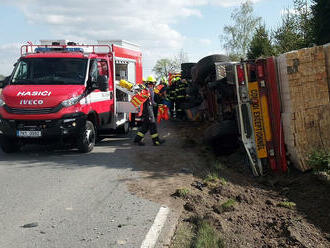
(102, 82)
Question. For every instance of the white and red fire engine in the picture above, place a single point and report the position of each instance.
(64, 91)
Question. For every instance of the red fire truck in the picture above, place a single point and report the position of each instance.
(63, 91)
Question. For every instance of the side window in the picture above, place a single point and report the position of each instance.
(131, 72)
(93, 70)
(21, 72)
(121, 70)
(102, 67)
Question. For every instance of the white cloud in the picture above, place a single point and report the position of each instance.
(9, 55)
(144, 22)
(230, 3)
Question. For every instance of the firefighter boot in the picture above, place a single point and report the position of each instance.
(139, 139)
(158, 142)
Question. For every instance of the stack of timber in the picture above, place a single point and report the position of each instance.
(304, 85)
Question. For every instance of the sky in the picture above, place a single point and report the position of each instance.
(162, 28)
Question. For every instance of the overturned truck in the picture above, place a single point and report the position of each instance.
(278, 107)
(242, 100)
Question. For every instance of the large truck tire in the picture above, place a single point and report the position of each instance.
(9, 145)
(186, 70)
(86, 140)
(205, 66)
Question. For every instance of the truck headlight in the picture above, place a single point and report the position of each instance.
(2, 102)
(71, 101)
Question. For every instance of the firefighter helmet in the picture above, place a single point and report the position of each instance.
(151, 79)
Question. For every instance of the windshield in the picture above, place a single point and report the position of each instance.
(45, 71)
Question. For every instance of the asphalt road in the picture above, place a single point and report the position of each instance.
(77, 200)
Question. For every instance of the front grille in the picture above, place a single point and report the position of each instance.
(21, 124)
(27, 111)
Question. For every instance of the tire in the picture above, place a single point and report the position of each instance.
(87, 138)
(186, 70)
(205, 67)
(9, 145)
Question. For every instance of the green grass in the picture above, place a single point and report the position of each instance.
(228, 204)
(211, 178)
(183, 192)
(218, 166)
(184, 235)
(224, 207)
(287, 204)
(207, 236)
(223, 181)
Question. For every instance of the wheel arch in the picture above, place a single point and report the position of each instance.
(94, 118)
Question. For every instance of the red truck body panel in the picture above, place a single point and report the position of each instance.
(130, 54)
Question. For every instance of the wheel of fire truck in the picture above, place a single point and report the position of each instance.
(9, 145)
(87, 138)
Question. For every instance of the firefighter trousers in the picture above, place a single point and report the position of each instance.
(147, 126)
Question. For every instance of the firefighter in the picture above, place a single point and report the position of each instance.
(171, 95)
(180, 91)
(148, 116)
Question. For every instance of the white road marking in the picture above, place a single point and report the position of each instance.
(152, 236)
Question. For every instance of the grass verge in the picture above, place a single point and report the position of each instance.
(207, 236)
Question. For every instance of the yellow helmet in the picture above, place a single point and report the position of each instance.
(151, 79)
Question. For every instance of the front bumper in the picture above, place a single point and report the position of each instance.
(68, 125)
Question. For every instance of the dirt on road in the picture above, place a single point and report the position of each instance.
(289, 210)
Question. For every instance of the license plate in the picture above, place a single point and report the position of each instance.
(29, 134)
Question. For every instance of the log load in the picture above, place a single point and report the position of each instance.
(304, 79)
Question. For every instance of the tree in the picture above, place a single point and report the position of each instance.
(295, 31)
(260, 45)
(286, 37)
(164, 66)
(321, 21)
(237, 37)
(182, 57)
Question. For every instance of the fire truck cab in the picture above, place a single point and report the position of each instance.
(64, 91)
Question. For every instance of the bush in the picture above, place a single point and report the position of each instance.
(319, 160)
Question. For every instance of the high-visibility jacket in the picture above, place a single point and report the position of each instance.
(139, 98)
